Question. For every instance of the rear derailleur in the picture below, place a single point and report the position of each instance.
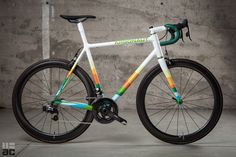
(53, 110)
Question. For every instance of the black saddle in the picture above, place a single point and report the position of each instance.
(77, 18)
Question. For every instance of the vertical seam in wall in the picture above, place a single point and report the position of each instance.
(45, 29)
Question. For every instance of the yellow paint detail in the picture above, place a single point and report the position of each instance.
(130, 80)
(167, 73)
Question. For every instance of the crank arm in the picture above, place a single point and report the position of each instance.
(117, 118)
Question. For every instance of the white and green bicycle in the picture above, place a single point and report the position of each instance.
(178, 101)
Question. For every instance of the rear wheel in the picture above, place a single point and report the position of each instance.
(190, 121)
(33, 93)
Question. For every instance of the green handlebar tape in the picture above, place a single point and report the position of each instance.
(174, 36)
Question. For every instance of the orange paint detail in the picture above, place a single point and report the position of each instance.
(69, 73)
(95, 76)
(171, 82)
(130, 80)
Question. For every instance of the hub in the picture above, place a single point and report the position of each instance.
(179, 102)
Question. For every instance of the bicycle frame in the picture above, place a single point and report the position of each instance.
(157, 52)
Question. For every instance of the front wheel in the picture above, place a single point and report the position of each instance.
(195, 117)
(34, 91)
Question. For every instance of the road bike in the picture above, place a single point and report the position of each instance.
(179, 101)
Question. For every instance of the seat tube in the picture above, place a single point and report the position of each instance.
(90, 58)
(94, 72)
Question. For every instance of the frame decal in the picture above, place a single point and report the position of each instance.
(131, 41)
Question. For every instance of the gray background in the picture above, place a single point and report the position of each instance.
(212, 23)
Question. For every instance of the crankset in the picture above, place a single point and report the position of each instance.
(105, 111)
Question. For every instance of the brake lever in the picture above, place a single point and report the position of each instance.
(182, 37)
(188, 34)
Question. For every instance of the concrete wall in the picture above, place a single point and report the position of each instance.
(212, 22)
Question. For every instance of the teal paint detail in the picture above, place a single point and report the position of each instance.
(73, 104)
(131, 41)
(174, 90)
(62, 87)
(175, 36)
(98, 86)
(115, 97)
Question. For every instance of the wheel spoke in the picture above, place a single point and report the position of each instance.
(44, 121)
(178, 121)
(58, 127)
(39, 121)
(50, 124)
(199, 91)
(39, 104)
(35, 94)
(197, 99)
(187, 83)
(77, 83)
(180, 86)
(160, 110)
(34, 98)
(36, 115)
(38, 86)
(185, 120)
(76, 93)
(70, 114)
(162, 90)
(36, 75)
(64, 122)
(158, 96)
(171, 120)
(67, 119)
(163, 117)
(198, 106)
(192, 88)
(161, 103)
(33, 102)
(200, 115)
(191, 117)
(59, 78)
(50, 90)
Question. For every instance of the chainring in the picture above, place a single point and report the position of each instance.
(101, 108)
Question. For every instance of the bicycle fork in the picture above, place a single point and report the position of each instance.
(170, 80)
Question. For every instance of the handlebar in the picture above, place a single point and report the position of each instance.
(176, 32)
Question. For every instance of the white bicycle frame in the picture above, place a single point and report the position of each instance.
(156, 52)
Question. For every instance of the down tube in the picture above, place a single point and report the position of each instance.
(131, 79)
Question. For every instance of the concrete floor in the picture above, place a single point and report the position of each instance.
(118, 140)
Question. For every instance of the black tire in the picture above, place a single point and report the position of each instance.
(19, 95)
(174, 136)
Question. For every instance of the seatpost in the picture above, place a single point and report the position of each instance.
(82, 33)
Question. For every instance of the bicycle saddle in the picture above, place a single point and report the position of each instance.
(77, 18)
